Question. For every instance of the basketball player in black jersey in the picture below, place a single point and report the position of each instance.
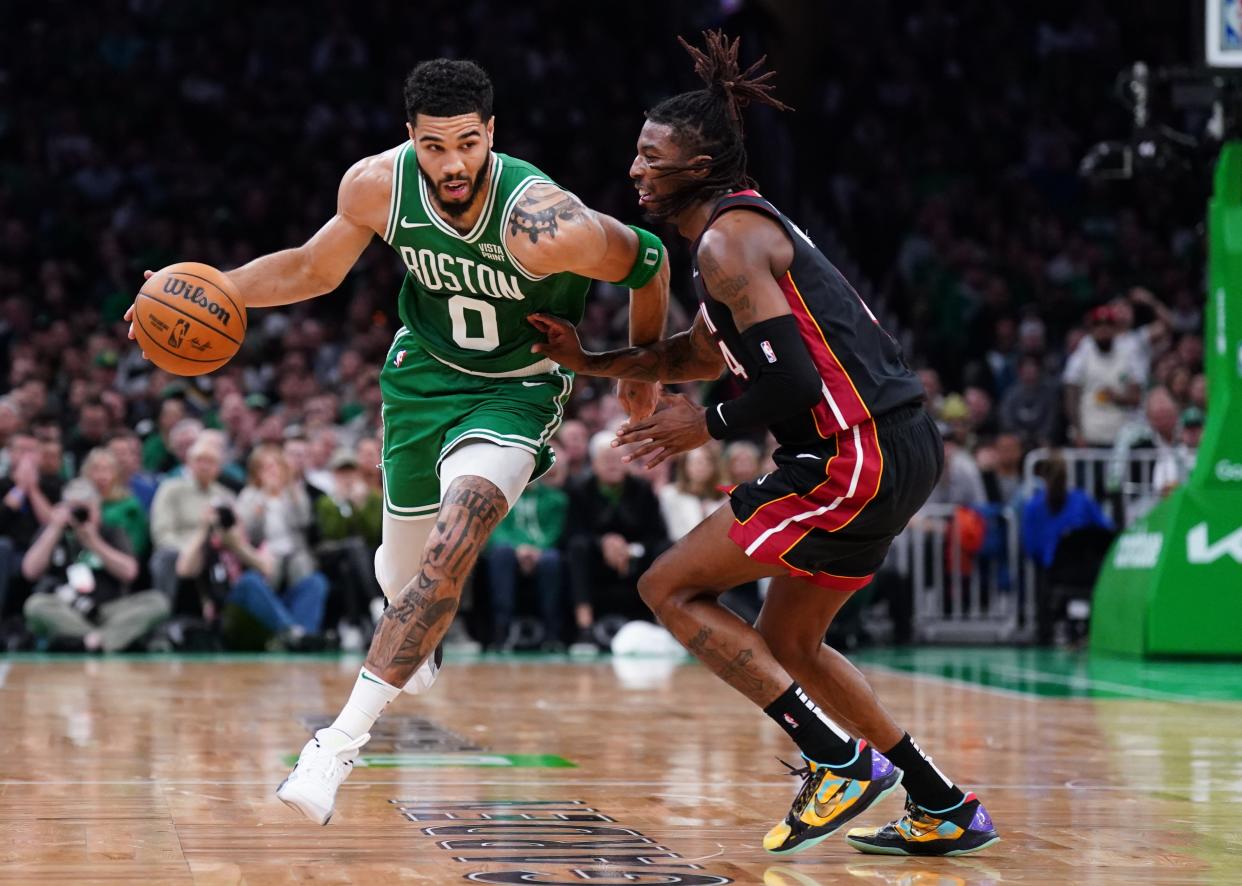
(858, 456)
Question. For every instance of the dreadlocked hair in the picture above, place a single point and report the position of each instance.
(709, 121)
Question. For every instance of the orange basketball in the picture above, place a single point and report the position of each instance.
(189, 318)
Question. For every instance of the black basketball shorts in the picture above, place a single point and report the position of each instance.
(830, 511)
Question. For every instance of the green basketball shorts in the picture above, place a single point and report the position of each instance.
(430, 407)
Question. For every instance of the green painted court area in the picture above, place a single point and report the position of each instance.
(1052, 673)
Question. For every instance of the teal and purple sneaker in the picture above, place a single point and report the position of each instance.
(827, 801)
(965, 829)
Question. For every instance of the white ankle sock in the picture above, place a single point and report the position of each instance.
(370, 696)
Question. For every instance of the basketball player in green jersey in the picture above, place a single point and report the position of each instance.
(468, 410)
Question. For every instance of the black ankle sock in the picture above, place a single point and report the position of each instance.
(923, 782)
(806, 724)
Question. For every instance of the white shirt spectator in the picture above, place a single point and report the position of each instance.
(1094, 372)
(683, 511)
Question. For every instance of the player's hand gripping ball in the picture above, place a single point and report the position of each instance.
(189, 318)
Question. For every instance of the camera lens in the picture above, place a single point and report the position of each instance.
(225, 516)
(80, 513)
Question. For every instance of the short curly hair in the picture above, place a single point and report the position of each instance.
(446, 87)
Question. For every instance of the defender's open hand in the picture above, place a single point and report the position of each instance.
(677, 426)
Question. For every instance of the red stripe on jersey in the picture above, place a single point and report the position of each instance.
(852, 481)
(850, 408)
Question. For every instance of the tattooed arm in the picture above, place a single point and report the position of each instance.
(741, 257)
(550, 230)
(687, 356)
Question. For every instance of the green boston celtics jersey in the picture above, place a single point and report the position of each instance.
(465, 298)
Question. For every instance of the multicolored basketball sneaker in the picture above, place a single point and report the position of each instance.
(962, 830)
(827, 801)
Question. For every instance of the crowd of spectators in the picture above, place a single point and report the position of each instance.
(935, 147)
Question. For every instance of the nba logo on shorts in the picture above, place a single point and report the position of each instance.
(766, 346)
(1231, 24)
(396, 361)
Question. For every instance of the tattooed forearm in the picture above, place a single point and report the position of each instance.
(421, 614)
(674, 359)
(541, 210)
(734, 667)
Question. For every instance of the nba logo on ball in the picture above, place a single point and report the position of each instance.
(396, 361)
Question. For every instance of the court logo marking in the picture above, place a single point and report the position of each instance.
(549, 842)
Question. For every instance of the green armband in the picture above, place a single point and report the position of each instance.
(650, 257)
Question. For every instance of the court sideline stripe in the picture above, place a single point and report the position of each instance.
(1135, 692)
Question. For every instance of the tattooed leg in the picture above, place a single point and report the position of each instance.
(421, 614)
(682, 589)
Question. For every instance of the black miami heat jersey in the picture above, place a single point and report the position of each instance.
(860, 365)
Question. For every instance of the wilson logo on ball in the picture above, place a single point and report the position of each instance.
(191, 293)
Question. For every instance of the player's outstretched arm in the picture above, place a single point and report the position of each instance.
(740, 258)
(320, 264)
(687, 356)
(549, 230)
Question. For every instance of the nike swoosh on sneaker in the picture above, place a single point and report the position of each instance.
(409, 224)
(919, 830)
(824, 808)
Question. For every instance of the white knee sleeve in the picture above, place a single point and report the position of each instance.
(396, 563)
(506, 466)
(401, 554)
(398, 558)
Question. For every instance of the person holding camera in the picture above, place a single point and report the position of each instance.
(81, 570)
(229, 570)
(176, 511)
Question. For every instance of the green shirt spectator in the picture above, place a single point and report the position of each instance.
(352, 508)
(118, 506)
(536, 519)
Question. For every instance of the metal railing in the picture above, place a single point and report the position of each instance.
(1128, 496)
(959, 597)
(990, 596)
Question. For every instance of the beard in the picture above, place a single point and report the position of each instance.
(665, 208)
(681, 193)
(456, 210)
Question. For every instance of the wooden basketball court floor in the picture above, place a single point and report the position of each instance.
(162, 770)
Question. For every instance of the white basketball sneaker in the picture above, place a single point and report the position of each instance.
(426, 674)
(311, 787)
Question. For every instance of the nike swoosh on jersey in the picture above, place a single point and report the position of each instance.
(408, 224)
(759, 482)
(533, 384)
(808, 455)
